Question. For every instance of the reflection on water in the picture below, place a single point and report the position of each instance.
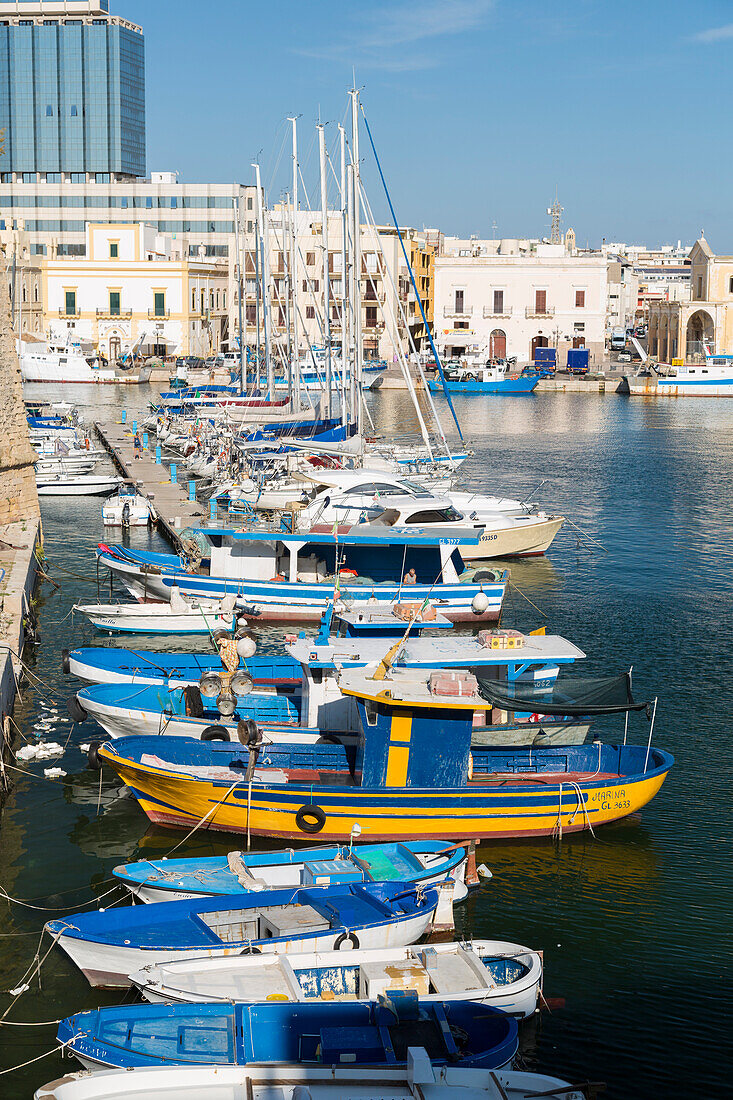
(633, 924)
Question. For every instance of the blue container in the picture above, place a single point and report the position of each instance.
(545, 355)
(174, 474)
(578, 360)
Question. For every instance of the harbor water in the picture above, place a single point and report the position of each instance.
(635, 922)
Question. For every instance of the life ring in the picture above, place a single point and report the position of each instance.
(93, 760)
(310, 819)
(347, 937)
(215, 733)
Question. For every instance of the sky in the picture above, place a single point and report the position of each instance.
(481, 110)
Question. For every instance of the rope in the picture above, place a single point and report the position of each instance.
(47, 909)
(534, 605)
(203, 819)
(30, 1061)
(587, 536)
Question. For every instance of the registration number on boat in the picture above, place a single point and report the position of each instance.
(611, 800)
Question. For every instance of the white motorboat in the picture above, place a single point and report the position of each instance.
(183, 615)
(309, 1082)
(69, 364)
(128, 508)
(504, 975)
(75, 485)
(79, 464)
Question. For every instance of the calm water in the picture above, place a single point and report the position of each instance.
(635, 926)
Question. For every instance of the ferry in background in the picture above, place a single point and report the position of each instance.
(713, 377)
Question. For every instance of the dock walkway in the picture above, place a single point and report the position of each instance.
(170, 500)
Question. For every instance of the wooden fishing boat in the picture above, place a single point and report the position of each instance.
(109, 945)
(332, 1034)
(505, 975)
(299, 1082)
(426, 861)
(413, 773)
(182, 615)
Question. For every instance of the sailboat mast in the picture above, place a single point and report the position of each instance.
(240, 292)
(265, 268)
(326, 273)
(356, 260)
(345, 370)
(294, 267)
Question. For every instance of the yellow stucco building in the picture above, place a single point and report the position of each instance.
(688, 330)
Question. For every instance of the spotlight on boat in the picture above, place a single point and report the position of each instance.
(241, 683)
(479, 603)
(226, 704)
(210, 684)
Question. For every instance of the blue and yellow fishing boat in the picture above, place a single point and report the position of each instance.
(412, 773)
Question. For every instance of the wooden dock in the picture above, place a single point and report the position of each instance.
(170, 499)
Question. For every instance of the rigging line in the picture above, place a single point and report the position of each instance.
(199, 823)
(586, 535)
(412, 275)
(39, 1058)
(51, 909)
(534, 605)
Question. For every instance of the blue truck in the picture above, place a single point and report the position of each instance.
(578, 361)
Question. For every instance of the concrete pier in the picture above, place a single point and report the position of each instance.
(170, 499)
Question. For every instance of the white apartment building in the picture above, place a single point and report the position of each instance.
(134, 286)
(507, 298)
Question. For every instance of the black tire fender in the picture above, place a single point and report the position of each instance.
(93, 760)
(310, 819)
(215, 733)
(65, 664)
(347, 937)
(76, 710)
(251, 950)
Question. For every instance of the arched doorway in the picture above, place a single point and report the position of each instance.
(538, 342)
(700, 336)
(497, 344)
(115, 345)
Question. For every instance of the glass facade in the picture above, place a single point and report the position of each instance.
(73, 95)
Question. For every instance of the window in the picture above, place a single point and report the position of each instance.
(250, 227)
(459, 301)
(77, 177)
(316, 286)
(211, 299)
(49, 111)
(35, 292)
(101, 177)
(123, 202)
(70, 297)
(305, 284)
(53, 177)
(74, 112)
(29, 177)
(148, 202)
(461, 324)
(371, 316)
(203, 301)
(114, 303)
(540, 301)
(310, 259)
(730, 285)
(174, 202)
(310, 312)
(193, 301)
(699, 284)
(159, 300)
(249, 207)
(580, 299)
(498, 301)
(114, 250)
(223, 299)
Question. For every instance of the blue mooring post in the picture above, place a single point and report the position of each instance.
(192, 490)
(212, 509)
(124, 415)
(134, 426)
(158, 457)
(145, 441)
(174, 475)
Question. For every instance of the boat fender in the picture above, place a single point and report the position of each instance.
(65, 665)
(485, 575)
(93, 760)
(470, 765)
(310, 819)
(248, 731)
(75, 709)
(349, 938)
(251, 951)
(215, 733)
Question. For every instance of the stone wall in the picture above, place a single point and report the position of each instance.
(18, 496)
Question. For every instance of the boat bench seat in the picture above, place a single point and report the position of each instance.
(455, 972)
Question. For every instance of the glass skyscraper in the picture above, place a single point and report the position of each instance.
(72, 92)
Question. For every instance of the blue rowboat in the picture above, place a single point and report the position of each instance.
(336, 1033)
(109, 945)
(425, 861)
(110, 665)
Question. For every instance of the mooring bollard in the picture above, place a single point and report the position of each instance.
(158, 455)
(134, 426)
(124, 415)
(192, 490)
(145, 441)
(212, 509)
(174, 474)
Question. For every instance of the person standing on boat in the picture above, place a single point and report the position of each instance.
(138, 445)
(410, 577)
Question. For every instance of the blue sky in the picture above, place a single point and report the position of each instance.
(480, 109)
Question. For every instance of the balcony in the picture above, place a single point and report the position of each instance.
(159, 314)
(458, 314)
(532, 311)
(71, 314)
(489, 311)
(116, 315)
